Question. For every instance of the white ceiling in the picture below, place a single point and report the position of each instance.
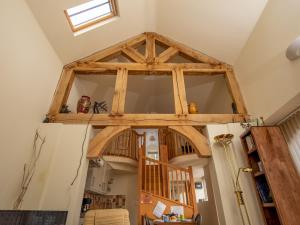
(218, 28)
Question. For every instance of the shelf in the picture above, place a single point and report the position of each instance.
(268, 205)
(259, 173)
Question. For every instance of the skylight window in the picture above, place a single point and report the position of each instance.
(90, 13)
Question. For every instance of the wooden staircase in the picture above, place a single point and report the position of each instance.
(160, 181)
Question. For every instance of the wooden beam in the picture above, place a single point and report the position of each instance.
(199, 141)
(149, 120)
(179, 92)
(109, 51)
(62, 91)
(235, 91)
(188, 67)
(118, 104)
(193, 192)
(150, 48)
(134, 55)
(102, 139)
(166, 55)
(186, 50)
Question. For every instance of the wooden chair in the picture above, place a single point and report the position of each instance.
(147, 221)
(107, 217)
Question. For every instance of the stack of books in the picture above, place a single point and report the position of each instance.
(264, 191)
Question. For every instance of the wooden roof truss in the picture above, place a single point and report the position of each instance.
(147, 62)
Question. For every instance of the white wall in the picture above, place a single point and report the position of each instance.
(126, 184)
(135, 16)
(208, 208)
(268, 79)
(50, 188)
(227, 206)
(99, 88)
(29, 71)
(215, 27)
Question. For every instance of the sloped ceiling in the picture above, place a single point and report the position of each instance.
(215, 27)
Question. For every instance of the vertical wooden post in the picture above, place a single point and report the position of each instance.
(179, 92)
(192, 189)
(139, 185)
(165, 175)
(118, 105)
(150, 48)
(235, 91)
(62, 91)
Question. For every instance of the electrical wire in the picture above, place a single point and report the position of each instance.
(82, 149)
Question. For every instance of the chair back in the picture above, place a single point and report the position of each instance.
(107, 217)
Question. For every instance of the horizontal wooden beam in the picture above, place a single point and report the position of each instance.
(100, 67)
(149, 120)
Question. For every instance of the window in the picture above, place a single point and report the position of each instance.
(152, 145)
(90, 13)
(291, 130)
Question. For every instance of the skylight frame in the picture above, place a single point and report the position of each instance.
(85, 25)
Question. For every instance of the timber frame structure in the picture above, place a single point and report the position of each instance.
(148, 63)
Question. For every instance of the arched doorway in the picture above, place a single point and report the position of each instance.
(102, 139)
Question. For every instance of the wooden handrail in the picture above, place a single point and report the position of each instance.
(177, 144)
(126, 144)
(166, 164)
(178, 181)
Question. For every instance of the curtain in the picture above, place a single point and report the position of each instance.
(291, 131)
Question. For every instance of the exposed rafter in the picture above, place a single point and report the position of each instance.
(149, 38)
(166, 55)
(134, 55)
(187, 50)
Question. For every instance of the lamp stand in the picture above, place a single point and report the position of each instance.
(225, 140)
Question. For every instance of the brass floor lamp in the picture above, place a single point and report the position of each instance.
(225, 140)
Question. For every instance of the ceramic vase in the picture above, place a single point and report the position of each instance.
(83, 104)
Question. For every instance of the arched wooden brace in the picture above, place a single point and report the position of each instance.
(102, 139)
(199, 141)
